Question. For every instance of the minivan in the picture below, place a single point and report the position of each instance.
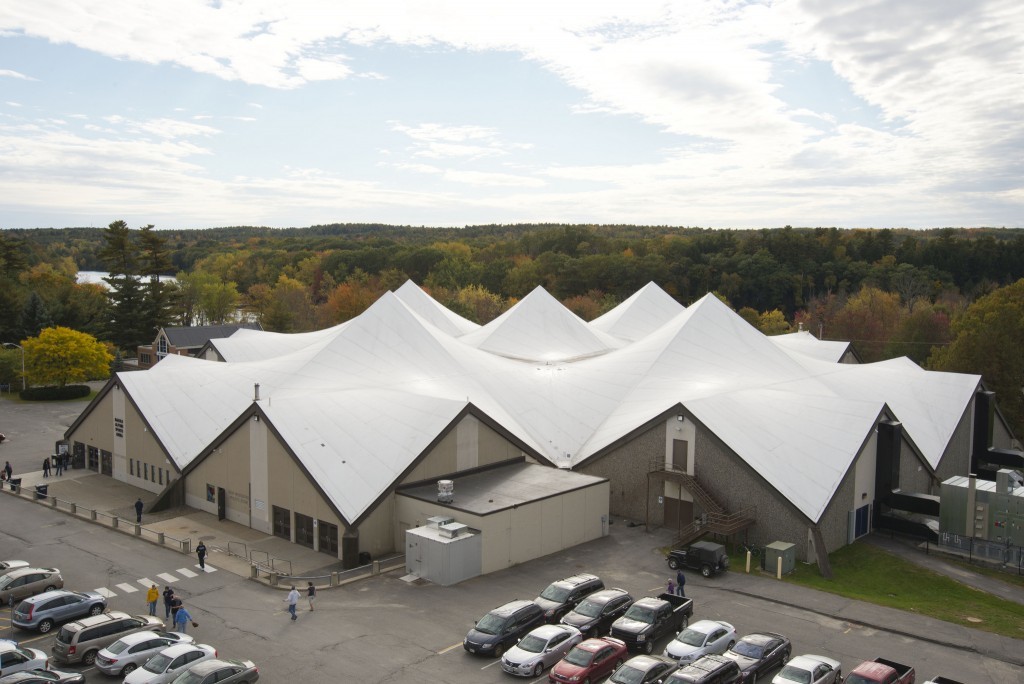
(562, 596)
(79, 642)
(501, 628)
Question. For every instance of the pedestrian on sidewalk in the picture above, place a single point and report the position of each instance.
(138, 510)
(46, 467)
(671, 586)
(181, 620)
(175, 606)
(201, 552)
(168, 595)
(680, 583)
(292, 598)
(60, 464)
(8, 471)
(311, 595)
(152, 596)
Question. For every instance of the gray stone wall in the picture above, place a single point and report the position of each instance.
(626, 468)
(956, 460)
(914, 475)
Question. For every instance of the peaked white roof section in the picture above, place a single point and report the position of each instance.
(641, 314)
(358, 403)
(803, 342)
(432, 311)
(539, 328)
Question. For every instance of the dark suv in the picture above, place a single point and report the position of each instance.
(562, 596)
(595, 614)
(708, 557)
(710, 669)
(501, 628)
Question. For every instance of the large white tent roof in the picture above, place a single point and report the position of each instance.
(358, 403)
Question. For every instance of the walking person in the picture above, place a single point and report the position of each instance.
(8, 471)
(681, 583)
(181, 620)
(138, 510)
(201, 553)
(168, 595)
(671, 586)
(311, 595)
(292, 598)
(175, 606)
(60, 464)
(152, 596)
(46, 467)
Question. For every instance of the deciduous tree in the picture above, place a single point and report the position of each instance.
(62, 355)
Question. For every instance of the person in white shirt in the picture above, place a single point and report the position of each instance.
(293, 600)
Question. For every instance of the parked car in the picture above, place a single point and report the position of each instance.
(11, 565)
(129, 652)
(649, 619)
(810, 669)
(595, 614)
(882, 671)
(21, 582)
(702, 638)
(540, 649)
(562, 596)
(710, 669)
(708, 557)
(43, 677)
(759, 653)
(589, 661)
(501, 628)
(643, 669)
(43, 611)
(15, 658)
(171, 662)
(80, 641)
(220, 671)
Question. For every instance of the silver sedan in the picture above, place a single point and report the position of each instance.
(540, 649)
(810, 669)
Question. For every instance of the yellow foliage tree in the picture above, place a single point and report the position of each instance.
(59, 356)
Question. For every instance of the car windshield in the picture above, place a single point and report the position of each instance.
(4, 579)
(588, 609)
(189, 678)
(491, 624)
(640, 614)
(117, 646)
(691, 637)
(157, 664)
(532, 644)
(579, 657)
(555, 593)
(745, 648)
(795, 674)
(627, 675)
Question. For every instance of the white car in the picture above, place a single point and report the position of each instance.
(810, 669)
(702, 638)
(540, 649)
(132, 650)
(15, 658)
(171, 662)
(11, 565)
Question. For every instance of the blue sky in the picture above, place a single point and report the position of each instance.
(193, 114)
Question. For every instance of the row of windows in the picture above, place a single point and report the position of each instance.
(146, 471)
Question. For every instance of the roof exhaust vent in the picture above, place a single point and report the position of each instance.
(452, 530)
(445, 491)
(257, 390)
(438, 520)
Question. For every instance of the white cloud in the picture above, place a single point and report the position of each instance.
(7, 73)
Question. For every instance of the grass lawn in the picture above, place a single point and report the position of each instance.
(867, 573)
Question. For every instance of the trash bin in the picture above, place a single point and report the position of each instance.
(15, 483)
(41, 491)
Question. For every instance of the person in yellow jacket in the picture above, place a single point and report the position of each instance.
(152, 596)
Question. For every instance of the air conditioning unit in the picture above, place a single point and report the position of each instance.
(438, 520)
(452, 530)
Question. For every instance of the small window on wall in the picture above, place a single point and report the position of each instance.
(211, 493)
(145, 470)
(131, 466)
(161, 476)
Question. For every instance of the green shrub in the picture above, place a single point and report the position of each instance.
(55, 393)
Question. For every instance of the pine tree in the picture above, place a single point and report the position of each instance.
(35, 317)
(155, 261)
(128, 326)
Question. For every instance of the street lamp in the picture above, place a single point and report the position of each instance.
(11, 345)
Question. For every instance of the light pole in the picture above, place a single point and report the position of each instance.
(11, 345)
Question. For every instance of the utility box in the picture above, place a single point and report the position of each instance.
(445, 553)
(783, 550)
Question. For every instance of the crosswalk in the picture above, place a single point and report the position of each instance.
(164, 577)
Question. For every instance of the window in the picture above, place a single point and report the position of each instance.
(161, 476)
(131, 466)
(282, 523)
(161, 347)
(211, 493)
(145, 470)
(144, 359)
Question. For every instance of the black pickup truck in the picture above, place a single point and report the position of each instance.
(649, 619)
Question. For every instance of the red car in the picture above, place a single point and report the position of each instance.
(589, 661)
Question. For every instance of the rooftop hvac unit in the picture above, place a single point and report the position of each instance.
(438, 520)
(445, 491)
(452, 530)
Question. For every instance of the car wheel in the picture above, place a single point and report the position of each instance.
(96, 610)
(684, 624)
(785, 658)
(592, 633)
(673, 563)
(538, 669)
(499, 650)
(128, 669)
(649, 647)
(50, 587)
(839, 676)
(89, 658)
(45, 626)
(705, 570)
(731, 644)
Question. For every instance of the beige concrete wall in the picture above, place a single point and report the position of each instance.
(288, 487)
(469, 445)
(226, 467)
(97, 428)
(377, 534)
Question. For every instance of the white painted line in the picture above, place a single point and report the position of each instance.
(105, 592)
(208, 568)
(145, 582)
(185, 572)
(167, 577)
(496, 662)
(127, 588)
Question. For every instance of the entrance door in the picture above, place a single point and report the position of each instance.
(328, 534)
(862, 520)
(106, 463)
(680, 453)
(678, 513)
(222, 503)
